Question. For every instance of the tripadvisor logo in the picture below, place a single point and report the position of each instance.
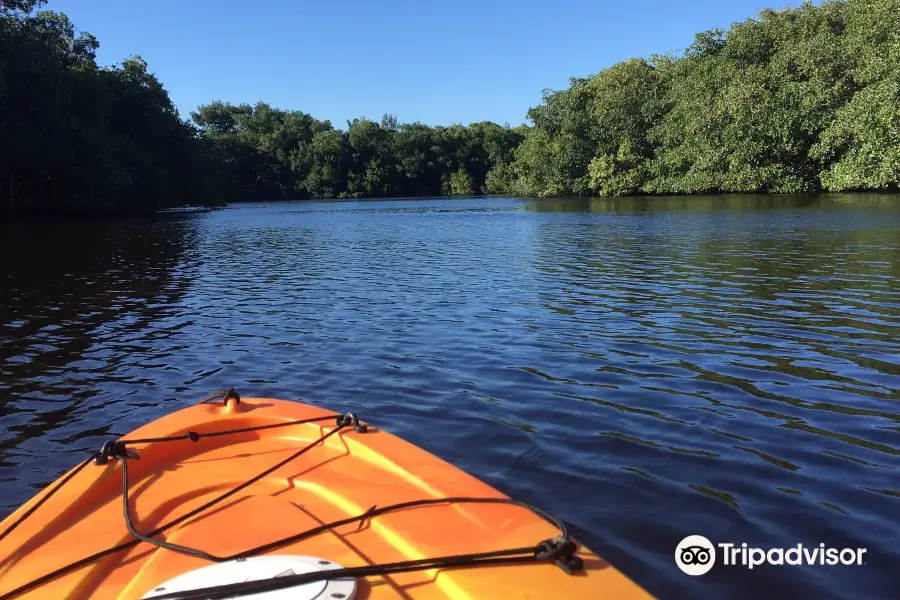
(696, 555)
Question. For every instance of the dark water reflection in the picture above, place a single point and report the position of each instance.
(647, 368)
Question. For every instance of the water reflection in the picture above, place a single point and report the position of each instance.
(82, 303)
(692, 204)
(762, 344)
(648, 368)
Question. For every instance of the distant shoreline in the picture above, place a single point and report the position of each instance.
(742, 111)
(878, 197)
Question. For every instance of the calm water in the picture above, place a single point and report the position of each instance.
(647, 369)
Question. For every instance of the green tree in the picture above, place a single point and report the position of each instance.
(328, 158)
(553, 159)
(75, 137)
(859, 148)
(795, 101)
(372, 170)
(459, 183)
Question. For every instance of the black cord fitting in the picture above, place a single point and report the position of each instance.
(562, 551)
(351, 419)
(193, 436)
(229, 394)
(113, 449)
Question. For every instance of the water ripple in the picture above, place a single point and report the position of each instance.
(646, 368)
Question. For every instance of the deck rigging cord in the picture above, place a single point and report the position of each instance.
(560, 549)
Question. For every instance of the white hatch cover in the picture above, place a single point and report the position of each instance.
(263, 567)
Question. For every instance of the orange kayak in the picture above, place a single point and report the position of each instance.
(262, 498)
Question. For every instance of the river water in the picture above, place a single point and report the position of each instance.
(645, 368)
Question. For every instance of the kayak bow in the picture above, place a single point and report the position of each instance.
(258, 497)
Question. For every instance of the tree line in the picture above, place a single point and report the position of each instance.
(269, 153)
(799, 100)
(77, 138)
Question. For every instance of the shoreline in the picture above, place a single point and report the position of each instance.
(884, 198)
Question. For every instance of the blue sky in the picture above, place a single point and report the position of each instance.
(435, 62)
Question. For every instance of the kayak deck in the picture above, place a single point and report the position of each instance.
(344, 475)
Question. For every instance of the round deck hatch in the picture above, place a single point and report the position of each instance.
(263, 567)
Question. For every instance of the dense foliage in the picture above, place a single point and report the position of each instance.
(270, 153)
(798, 100)
(78, 138)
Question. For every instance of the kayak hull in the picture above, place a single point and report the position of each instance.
(343, 475)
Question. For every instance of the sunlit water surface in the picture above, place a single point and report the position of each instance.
(645, 368)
